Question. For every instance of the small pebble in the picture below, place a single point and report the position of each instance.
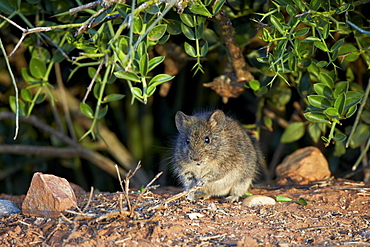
(8, 207)
(256, 200)
(194, 216)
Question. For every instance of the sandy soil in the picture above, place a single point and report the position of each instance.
(337, 214)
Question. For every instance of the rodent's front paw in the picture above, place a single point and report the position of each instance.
(199, 183)
(190, 197)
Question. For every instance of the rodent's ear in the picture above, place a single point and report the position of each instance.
(217, 120)
(181, 120)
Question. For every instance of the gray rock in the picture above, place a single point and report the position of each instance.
(8, 207)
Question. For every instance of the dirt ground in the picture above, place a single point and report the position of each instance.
(337, 214)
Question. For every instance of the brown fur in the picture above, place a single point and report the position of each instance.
(215, 152)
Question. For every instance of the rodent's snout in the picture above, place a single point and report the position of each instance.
(195, 158)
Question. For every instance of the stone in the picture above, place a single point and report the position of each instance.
(303, 167)
(48, 196)
(8, 207)
(257, 200)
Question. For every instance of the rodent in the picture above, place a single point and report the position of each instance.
(213, 151)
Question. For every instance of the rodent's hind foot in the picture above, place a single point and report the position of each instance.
(232, 198)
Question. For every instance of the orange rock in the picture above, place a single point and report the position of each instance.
(303, 167)
(48, 196)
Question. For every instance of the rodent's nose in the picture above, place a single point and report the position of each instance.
(196, 158)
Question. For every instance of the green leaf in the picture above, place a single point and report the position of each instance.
(91, 71)
(323, 89)
(340, 102)
(277, 24)
(96, 90)
(314, 131)
(301, 32)
(291, 10)
(187, 32)
(26, 94)
(311, 39)
(103, 112)
(138, 25)
(28, 78)
(325, 78)
(341, 87)
(199, 9)
(217, 6)
(9, 7)
(137, 92)
(187, 19)
(157, 32)
(365, 116)
(189, 50)
(349, 52)
(315, 5)
(127, 75)
(337, 45)
(173, 27)
(322, 64)
(150, 90)
(144, 64)
(351, 102)
(199, 31)
(293, 132)
(155, 61)
(351, 111)
(302, 202)
(331, 111)
(37, 68)
(159, 79)
(339, 137)
(40, 98)
(255, 85)
(300, 5)
(141, 50)
(283, 199)
(268, 122)
(22, 106)
(319, 101)
(112, 97)
(317, 117)
(321, 45)
(343, 8)
(204, 49)
(360, 136)
(86, 110)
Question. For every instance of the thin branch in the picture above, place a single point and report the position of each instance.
(143, 192)
(94, 157)
(15, 90)
(45, 151)
(83, 7)
(93, 81)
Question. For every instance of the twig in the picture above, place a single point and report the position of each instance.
(83, 7)
(93, 81)
(143, 192)
(173, 198)
(15, 90)
(94, 157)
(90, 198)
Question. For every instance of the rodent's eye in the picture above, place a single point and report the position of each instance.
(187, 140)
(207, 140)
